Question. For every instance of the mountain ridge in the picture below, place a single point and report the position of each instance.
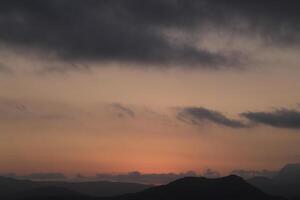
(230, 187)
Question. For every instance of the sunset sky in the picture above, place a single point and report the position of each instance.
(154, 86)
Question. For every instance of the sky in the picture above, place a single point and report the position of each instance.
(154, 86)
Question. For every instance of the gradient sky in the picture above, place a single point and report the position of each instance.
(161, 86)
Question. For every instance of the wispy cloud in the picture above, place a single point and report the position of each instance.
(123, 111)
(198, 115)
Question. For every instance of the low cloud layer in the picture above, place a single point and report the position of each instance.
(254, 173)
(131, 177)
(138, 177)
(38, 176)
(45, 176)
(145, 178)
(210, 173)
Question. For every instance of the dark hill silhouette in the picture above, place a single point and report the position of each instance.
(194, 188)
(189, 188)
(102, 188)
(265, 184)
(10, 187)
(52, 193)
(285, 183)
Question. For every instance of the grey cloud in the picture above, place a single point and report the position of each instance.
(9, 175)
(104, 30)
(133, 30)
(280, 118)
(197, 115)
(276, 22)
(210, 173)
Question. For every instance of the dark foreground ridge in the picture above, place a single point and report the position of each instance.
(189, 188)
(14, 188)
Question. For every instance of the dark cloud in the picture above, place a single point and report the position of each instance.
(281, 118)
(133, 30)
(197, 115)
(103, 30)
(144, 178)
(276, 22)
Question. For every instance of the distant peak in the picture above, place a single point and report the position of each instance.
(232, 176)
(291, 165)
(289, 173)
(188, 180)
(290, 168)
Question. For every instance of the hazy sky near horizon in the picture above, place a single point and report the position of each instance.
(160, 86)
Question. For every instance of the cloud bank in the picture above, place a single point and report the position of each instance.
(145, 178)
(254, 173)
(135, 31)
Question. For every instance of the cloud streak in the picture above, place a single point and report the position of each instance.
(280, 118)
(123, 111)
(198, 115)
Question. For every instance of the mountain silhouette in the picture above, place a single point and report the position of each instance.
(11, 187)
(194, 188)
(189, 188)
(52, 193)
